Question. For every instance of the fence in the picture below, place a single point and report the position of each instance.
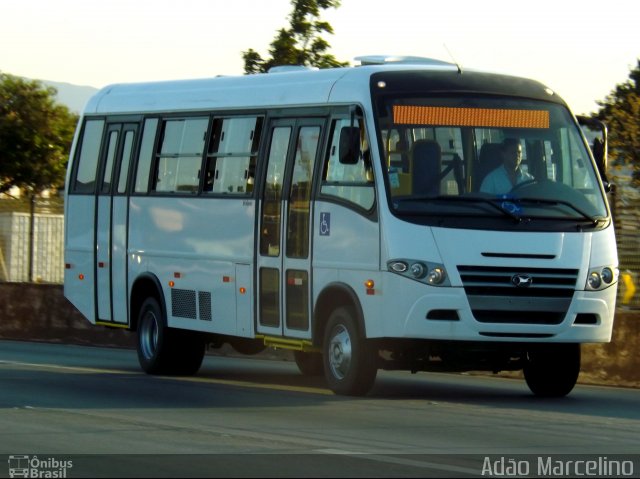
(31, 251)
(625, 204)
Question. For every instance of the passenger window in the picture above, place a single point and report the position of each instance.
(180, 155)
(398, 148)
(300, 194)
(126, 160)
(146, 155)
(349, 182)
(231, 160)
(87, 158)
(271, 220)
(453, 172)
(111, 155)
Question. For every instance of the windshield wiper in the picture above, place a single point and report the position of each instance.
(499, 204)
(592, 219)
(495, 203)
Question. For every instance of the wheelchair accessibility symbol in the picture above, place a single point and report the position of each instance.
(325, 224)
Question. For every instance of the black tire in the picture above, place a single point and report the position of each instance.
(309, 364)
(190, 348)
(552, 370)
(349, 360)
(151, 337)
(162, 350)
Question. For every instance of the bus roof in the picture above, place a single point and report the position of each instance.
(297, 87)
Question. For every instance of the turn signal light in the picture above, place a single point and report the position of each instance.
(370, 285)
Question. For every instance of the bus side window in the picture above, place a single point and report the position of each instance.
(398, 148)
(87, 157)
(349, 182)
(127, 152)
(231, 160)
(180, 155)
(112, 144)
(146, 155)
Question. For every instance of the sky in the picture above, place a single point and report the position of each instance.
(580, 49)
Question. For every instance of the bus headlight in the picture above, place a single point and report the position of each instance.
(436, 276)
(418, 270)
(607, 275)
(433, 274)
(601, 278)
(594, 281)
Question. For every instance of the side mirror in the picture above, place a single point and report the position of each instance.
(596, 133)
(349, 148)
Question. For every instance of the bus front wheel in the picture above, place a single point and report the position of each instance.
(349, 360)
(162, 350)
(552, 370)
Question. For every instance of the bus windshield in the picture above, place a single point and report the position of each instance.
(487, 156)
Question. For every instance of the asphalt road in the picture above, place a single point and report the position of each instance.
(243, 417)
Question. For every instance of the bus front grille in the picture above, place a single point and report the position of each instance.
(502, 295)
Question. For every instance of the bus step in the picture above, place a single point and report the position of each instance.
(292, 344)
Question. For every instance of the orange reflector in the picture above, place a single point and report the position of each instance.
(243, 290)
(370, 285)
(81, 276)
(172, 284)
(226, 279)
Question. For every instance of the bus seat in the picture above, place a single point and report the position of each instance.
(426, 168)
(490, 159)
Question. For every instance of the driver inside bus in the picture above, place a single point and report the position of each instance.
(509, 174)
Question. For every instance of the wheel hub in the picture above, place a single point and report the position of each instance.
(340, 352)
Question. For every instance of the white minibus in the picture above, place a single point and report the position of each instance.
(402, 214)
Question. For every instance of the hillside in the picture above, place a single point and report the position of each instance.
(73, 96)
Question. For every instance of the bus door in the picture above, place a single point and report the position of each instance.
(283, 244)
(111, 223)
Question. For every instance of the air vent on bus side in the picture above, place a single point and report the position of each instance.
(183, 304)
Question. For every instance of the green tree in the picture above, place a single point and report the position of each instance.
(301, 43)
(35, 136)
(621, 112)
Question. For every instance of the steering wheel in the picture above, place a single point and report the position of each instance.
(523, 185)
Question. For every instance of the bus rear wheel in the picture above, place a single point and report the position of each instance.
(349, 360)
(163, 350)
(552, 370)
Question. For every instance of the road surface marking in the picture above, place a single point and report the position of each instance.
(225, 382)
